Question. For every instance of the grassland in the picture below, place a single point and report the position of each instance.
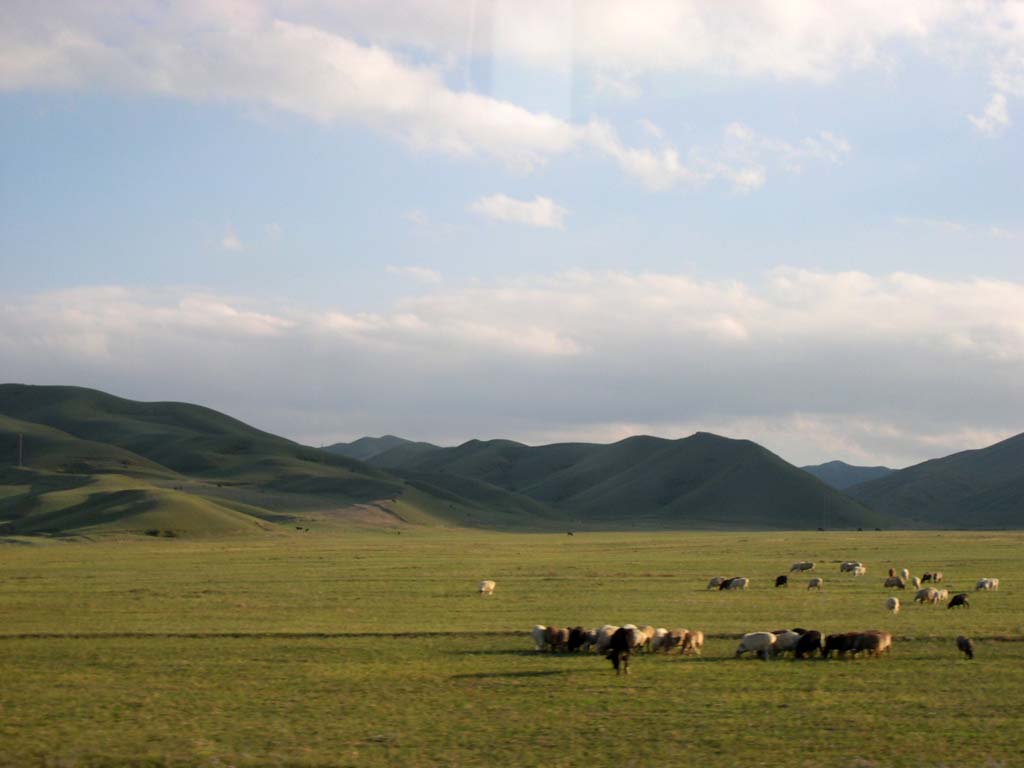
(369, 647)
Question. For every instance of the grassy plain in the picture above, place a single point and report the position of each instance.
(369, 647)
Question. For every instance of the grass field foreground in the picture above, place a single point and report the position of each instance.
(372, 647)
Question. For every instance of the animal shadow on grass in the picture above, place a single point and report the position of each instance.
(486, 675)
(499, 652)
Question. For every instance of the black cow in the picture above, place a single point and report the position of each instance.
(782, 581)
(959, 600)
(808, 644)
(619, 648)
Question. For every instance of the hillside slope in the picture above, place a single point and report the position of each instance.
(841, 475)
(703, 481)
(367, 447)
(95, 461)
(982, 488)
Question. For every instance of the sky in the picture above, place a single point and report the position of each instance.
(799, 223)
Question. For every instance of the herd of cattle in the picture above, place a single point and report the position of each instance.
(619, 643)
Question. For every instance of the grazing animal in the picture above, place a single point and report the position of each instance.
(943, 596)
(604, 638)
(808, 645)
(915, 582)
(758, 643)
(838, 644)
(895, 581)
(849, 566)
(927, 595)
(674, 639)
(905, 574)
(736, 582)
(959, 601)
(716, 582)
(658, 641)
(486, 587)
(892, 572)
(539, 635)
(935, 576)
(860, 570)
(620, 646)
(965, 645)
(782, 581)
(893, 604)
(805, 565)
(648, 632)
(874, 642)
(556, 638)
(693, 642)
(816, 583)
(786, 641)
(577, 639)
(987, 584)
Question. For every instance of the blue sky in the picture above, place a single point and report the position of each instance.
(799, 223)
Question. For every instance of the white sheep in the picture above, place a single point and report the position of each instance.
(893, 604)
(486, 587)
(759, 643)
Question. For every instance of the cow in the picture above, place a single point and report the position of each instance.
(621, 645)
(782, 581)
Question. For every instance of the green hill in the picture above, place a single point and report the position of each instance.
(703, 481)
(982, 488)
(367, 447)
(841, 475)
(95, 462)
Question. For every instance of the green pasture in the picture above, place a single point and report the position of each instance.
(371, 647)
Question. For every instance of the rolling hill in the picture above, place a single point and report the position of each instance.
(982, 488)
(703, 481)
(841, 475)
(367, 447)
(99, 463)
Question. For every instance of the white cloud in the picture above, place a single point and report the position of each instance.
(304, 59)
(891, 368)
(419, 274)
(995, 119)
(230, 241)
(417, 217)
(542, 212)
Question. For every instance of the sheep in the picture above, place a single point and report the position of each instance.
(786, 641)
(782, 581)
(693, 642)
(648, 632)
(808, 644)
(905, 574)
(577, 639)
(935, 576)
(892, 572)
(759, 643)
(849, 566)
(966, 645)
(538, 633)
(658, 641)
(987, 584)
(892, 605)
(604, 638)
(915, 582)
(860, 570)
(959, 601)
(943, 596)
(716, 582)
(927, 595)
(874, 642)
(895, 581)
(840, 644)
(486, 587)
(816, 583)
(736, 582)
(805, 565)
(556, 638)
